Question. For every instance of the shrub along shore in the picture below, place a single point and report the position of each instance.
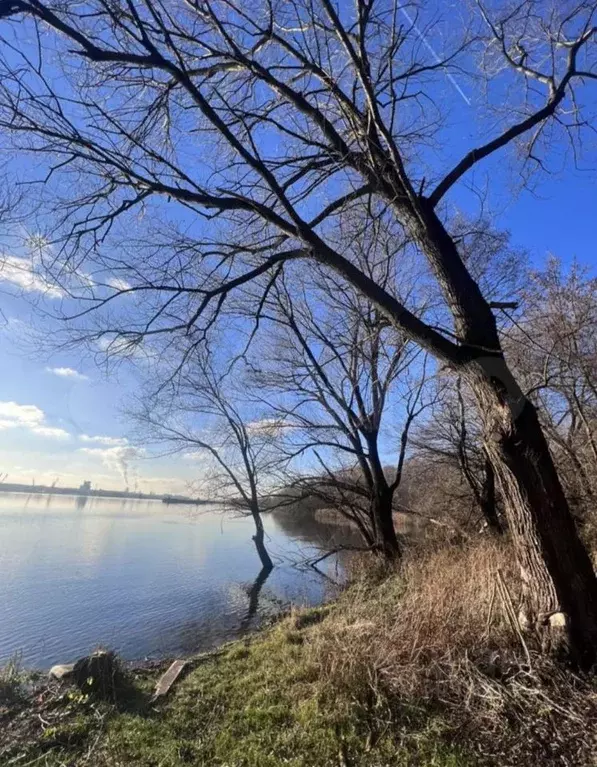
(417, 666)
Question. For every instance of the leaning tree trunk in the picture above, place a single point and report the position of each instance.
(558, 579)
(559, 583)
(259, 541)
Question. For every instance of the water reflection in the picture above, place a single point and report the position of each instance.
(253, 593)
(315, 532)
(141, 577)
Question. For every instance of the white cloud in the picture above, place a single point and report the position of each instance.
(68, 373)
(101, 439)
(194, 455)
(21, 272)
(51, 431)
(30, 417)
(266, 426)
(119, 284)
(21, 415)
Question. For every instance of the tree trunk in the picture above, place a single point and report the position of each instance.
(559, 583)
(381, 511)
(558, 579)
(259, 540)
(480, 481)
(386, 540)
(487, 499)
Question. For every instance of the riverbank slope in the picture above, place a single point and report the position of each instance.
(417, 667)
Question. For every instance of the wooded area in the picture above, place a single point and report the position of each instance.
(264, 198)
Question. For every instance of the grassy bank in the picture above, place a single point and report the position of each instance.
(421, 667)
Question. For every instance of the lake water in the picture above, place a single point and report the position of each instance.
(144, 578)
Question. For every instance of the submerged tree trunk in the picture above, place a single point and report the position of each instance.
(259, 541)
(558, 579)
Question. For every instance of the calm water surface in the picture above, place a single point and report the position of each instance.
(141, 577)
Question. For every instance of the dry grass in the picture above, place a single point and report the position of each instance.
(439, 636)
(419, 668)
(11, 680)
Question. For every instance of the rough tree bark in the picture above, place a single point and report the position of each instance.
(482, 487)
(560, 592)
(487, 500)
(382, 495)
(386, 540)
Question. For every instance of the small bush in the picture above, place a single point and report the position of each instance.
(11, 680)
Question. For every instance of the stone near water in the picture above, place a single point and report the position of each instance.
(62, 671)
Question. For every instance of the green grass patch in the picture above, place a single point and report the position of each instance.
(262, 704)
(259, 703)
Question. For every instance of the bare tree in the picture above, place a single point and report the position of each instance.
(291, 111)
(203, 414)
(343, 367)
(453, 436)
(552, 343)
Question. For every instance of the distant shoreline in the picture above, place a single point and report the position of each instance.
(117, 494)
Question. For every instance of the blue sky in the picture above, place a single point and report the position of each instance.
(61, 416)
